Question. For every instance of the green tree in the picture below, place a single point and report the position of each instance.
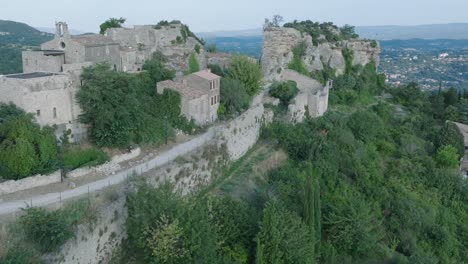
(447, 157)
(25, 148)
(283, 238)
(451, 113)
(451, 135)
(450, 97)
(166, 241)
(156, 69)
(348, 32)
(352, 227)
(234, 96)
(285, 91)
(247, 72)
(111, 23)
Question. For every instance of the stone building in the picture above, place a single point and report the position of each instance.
(51, 77)
(49, 96)
(66, 49)
(200, 95)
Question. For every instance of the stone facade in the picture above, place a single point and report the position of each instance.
(68, 49)
(49, 96)
(279, 42)
(200, 95)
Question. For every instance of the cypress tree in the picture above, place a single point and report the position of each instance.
(317, 218)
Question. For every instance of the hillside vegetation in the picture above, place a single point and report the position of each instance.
(14, 37)
(372, 181)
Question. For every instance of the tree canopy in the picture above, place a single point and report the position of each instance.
(111, 23)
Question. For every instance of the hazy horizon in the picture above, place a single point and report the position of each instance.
(211, 15)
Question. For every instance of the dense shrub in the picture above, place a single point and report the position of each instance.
(234, 97)
(48, 230)
(25, 148)
(193, 65)
(285, 91)
(297, 64)
(123, 109)
(247, 72)
(77, 158)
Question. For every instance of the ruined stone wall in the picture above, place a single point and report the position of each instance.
(36, 61)
(279, 42)
(240, 134)
(146, 40)
(312, 96)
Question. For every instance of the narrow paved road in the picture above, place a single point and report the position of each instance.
(163, 159)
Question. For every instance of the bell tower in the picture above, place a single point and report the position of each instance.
(61, 30)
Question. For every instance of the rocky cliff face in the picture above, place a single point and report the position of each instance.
(279, 42)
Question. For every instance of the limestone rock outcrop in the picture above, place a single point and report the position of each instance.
(278, 44)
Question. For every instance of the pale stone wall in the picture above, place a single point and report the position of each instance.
(36, 61)
(240, 134)
(13, 186)
(312, 96)
(74, 52)
(104, 53)
(42, 94)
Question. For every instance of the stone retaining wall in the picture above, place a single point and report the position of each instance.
(29, 182)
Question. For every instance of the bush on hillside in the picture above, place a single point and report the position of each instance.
(285, 91)
(77, 158)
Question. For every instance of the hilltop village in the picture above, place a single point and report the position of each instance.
(145, 145)
(52, 75)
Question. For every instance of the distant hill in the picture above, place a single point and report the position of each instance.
(435, 31)
(17, 33)
(15, 37)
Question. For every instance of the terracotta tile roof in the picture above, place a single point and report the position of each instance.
(93, 39)
(183, 88)
(207, 75)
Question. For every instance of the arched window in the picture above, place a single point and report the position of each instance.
(54, 111)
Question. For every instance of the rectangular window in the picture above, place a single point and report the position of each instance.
(38, 112)
(211, 100)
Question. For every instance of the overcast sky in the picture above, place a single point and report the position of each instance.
(215, 15)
